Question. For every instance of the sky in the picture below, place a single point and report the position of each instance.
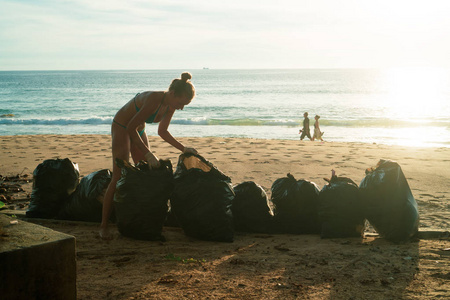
(232, 34)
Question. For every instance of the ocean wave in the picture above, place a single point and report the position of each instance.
(295, 123)
(384, 123)
(61, 121)
(298, 90)
(361, 123)
(235, 122)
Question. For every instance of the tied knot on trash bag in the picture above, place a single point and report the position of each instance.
(141, 199)
(202, 199)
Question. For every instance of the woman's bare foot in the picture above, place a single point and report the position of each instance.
(105, 234)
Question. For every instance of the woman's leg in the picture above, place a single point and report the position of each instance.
(120, 149)
(137, 154)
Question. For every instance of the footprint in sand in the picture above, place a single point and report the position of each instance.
(432, 196)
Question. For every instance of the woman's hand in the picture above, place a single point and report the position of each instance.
(152, 160)
(190, 150)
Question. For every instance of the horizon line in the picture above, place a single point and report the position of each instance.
(208, 69)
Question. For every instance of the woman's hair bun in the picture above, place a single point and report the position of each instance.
(186, 76)
(183, 87)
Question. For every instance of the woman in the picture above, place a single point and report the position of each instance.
(317, 133)
(128, 132)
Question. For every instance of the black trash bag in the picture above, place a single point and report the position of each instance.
(251, 209)
(85, 204)
(388, 202)
(295, 206)
(340, 209)
(54, 180)
(141, 198)
(202, 199)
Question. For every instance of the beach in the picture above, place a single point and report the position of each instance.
(257, 266)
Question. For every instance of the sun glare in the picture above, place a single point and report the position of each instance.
(414, 91)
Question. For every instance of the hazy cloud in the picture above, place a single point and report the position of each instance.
(137, 34)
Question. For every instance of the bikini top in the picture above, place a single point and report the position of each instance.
(152, 116)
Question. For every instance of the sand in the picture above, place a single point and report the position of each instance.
(257, 266)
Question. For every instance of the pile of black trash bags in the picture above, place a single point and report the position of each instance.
(58, 192)
(200, 199)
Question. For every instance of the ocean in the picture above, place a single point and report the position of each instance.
(394, 106)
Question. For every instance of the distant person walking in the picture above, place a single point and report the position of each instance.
(305, 131)
(317, 133)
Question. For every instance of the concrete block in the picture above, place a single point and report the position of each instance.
(35, 262)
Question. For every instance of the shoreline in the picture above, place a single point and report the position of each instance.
(176, 133)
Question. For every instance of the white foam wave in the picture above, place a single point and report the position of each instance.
(61, 121)
(362, 123)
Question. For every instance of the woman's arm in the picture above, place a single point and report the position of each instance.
(164, 133)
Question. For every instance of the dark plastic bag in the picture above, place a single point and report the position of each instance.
(295, 206)
(202, 199)
(340, 209)
(141, 199)
(53, 182)
(85, 204)
(389, 204)
(251, 209)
